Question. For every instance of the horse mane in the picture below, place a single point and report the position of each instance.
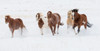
(75, 10)
(49, 14)
(7, 16)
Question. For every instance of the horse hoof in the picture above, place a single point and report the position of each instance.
(53, 34)
(11, 37)
(75, 33)
(41, 34)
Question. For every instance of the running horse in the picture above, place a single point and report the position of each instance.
(54, 20)
(14, 24)
(79, 20)
(42, 21)
(70, 19)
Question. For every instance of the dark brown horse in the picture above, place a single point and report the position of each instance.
(54, 20)
(14, 24)
(79, 20)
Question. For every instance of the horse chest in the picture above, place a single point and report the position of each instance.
(40, 23)
(52, 21)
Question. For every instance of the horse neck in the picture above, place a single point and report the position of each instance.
(10, 20)
(76, 16)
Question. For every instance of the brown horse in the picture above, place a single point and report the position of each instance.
(14, 24)
(79, 20)
(54, 20)
(42, 21)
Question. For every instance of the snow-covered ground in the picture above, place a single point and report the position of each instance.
(32, 40)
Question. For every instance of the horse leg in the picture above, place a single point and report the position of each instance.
(85, 25)
(41, 31)
(78, 29)
(51, 30)
(58, 29)
(67, 26)
(21, 31)
(74, 29)
(54, 29)
(12, 33)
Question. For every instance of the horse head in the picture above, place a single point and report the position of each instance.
(69, 12)
(7, 19)
(38, 16)
(49, 13)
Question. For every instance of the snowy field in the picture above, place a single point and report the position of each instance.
(32, 40)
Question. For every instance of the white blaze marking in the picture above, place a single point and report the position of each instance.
(84, 22)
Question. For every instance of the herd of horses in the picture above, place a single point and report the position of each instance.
(52, 20)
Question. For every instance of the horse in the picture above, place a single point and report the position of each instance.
(54, 20)
(70, 19)
(14, 24)
(42, 21)
(79, 20)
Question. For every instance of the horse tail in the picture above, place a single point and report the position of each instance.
(22, 25)
(61, 24)
(89, 25)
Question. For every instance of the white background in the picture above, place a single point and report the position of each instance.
(66, 40)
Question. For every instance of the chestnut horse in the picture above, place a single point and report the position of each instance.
(54, 20)
(42, 21)
(79, 20)
(70, 19)
(14, 24)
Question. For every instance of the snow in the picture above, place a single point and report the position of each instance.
(32, 40)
